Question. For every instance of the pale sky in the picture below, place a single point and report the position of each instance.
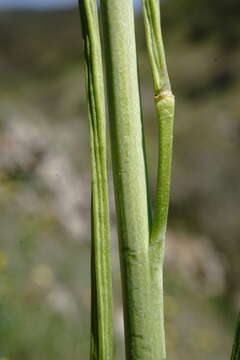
(39, 4)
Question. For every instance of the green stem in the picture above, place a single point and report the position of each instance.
(101, 312)
(236, 344)
(151, 12)
(129, 171)
(164, 102)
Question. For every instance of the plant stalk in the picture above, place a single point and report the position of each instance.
(164, 104)
(129, 173)
(101, 286)
(141, 250)
(236, 344)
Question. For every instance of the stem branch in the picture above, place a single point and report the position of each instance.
(164, 101)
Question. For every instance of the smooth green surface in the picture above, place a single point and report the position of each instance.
(129, 170)
(101, 288)
(164, 102)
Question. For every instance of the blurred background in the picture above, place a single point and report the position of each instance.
(45, 180)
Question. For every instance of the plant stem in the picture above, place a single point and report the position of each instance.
(129, 172)
(236, 345)
(101, 288)
(164, 102)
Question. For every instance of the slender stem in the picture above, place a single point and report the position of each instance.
(155, 46)
(164, 101)
(236, 344)
(129, 171)
(101, 313)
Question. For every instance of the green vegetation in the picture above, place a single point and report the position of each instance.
(236, 345)
(129, 172)
(45, 194)
(141, 236)
(101, 286)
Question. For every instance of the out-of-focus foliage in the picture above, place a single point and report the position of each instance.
(218, 19)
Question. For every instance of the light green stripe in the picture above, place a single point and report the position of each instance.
(164, 103)
(101, 288)
(129, 170)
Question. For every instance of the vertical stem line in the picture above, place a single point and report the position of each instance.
(129, 172)
(236, 344)
(164, 104)
(155, 45)
(101, 287)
